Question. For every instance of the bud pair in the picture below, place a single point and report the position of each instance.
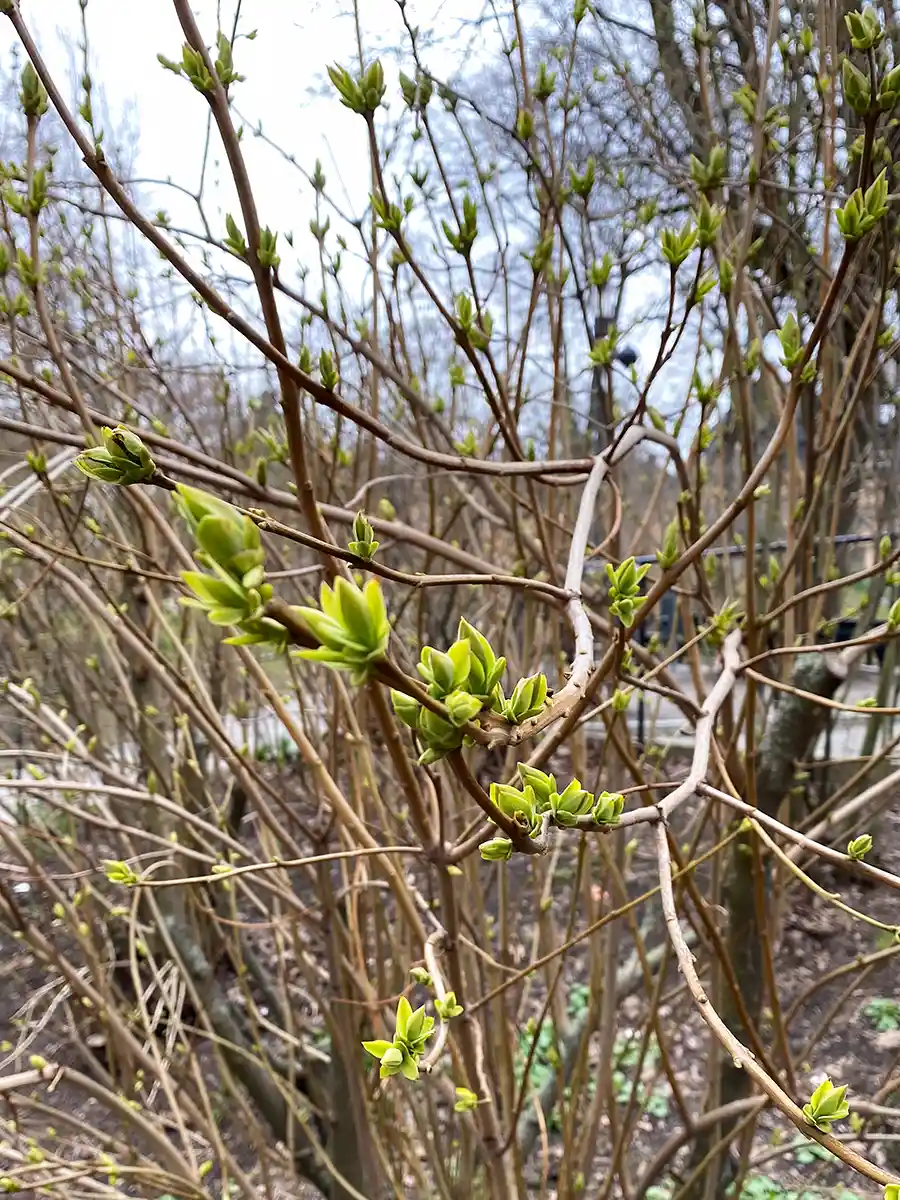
(226, 537)
(33, 94)
(416, 92)
(498, 849)
(857, 89)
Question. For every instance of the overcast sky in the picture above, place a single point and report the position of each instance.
(296, 41)
(284, 64)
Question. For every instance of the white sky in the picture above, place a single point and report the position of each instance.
(295, 43)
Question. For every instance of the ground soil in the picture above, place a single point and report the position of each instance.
(854, 1031)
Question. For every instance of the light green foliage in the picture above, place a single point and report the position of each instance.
(608, 808)
(889, 90)
(668, 555)
(416, 92)
(677, 244)
(497, 849)
(540, 256)
(529, 698)
(122, 459)
(864, 28)
(267, 253)
(224, 63)
(893, 618)
(466, 1100)
(449, 1007)
(582, 185)
(860, 846)
(235, 240)
(884, 1013)
(362, 95)
(120, 872)
(327, 370)
(710, 175)
(826, 1104)
(466, 678)
(363, 543)
(402, 1054)
(857, 90)
(600, 271)
(571, 803)
(539, 795)
(709, 218)
(351, 625)
(603, 350)
(544, 83)
(463, 241)
(230, 546)
(521, 806)
(445, 672)
(192, 67)
(33, 95)
(625, 588)
(791, 342)
(476, 330)
(723, 622)
(862, 213)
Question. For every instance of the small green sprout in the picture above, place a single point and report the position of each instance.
(571, 803)
(857, 89)
(363, 544)
(402, 1054)
(448, 1008)
(608, 808)
(864, 28)
(624, 588)
(497, 849)
(466, 1100)
(529, 698)
(861, 213)
(123, 459)
(351, 625)
(826, 1104)
(117, 871)
(859, 847)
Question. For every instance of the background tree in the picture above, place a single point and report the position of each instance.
(321, 675)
